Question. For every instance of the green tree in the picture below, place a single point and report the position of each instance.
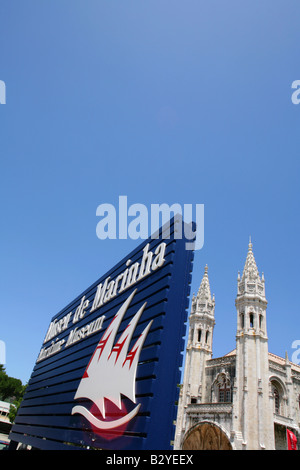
(10, 388)
(14, 409)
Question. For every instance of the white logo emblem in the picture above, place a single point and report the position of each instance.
(112, 370)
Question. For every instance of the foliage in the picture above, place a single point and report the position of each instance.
(11, 390)
(14, 409)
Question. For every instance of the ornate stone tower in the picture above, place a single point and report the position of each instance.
(252, 413)
(198, 351)
(199, 348)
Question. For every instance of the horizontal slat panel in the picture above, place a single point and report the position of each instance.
(41, 443)
(45, 412)
(57, 359)
(69, 354)
(48, 405)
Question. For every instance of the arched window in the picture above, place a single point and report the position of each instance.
(276, 400)
(199, 335)
(222, 388)
(207, 336)
(279, 397)
(191, 338)
(251, 320)
(277, 393)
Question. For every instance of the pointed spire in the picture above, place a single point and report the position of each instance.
(203, 303)
(286, 358)
(250, 269)
(204, 290)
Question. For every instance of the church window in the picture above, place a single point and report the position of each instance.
(224, 394)
(260, 321)
(206, 337)
(242, 320)
(279, 399)
(251, 320)
(192, 334)
(199, 335)
(193, 400)
(224, 389)
(276, 400)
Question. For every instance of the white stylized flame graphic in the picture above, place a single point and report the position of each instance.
(112, 370)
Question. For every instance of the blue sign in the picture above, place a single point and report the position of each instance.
(107, 374)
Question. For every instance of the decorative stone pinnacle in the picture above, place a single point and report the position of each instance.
(204, 289)
(250, 269)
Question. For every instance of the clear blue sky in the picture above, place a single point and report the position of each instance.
(162, 101)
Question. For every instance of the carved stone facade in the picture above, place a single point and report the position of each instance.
(246, 399)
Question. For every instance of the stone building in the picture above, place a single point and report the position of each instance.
(246, 399)
(5, 424)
